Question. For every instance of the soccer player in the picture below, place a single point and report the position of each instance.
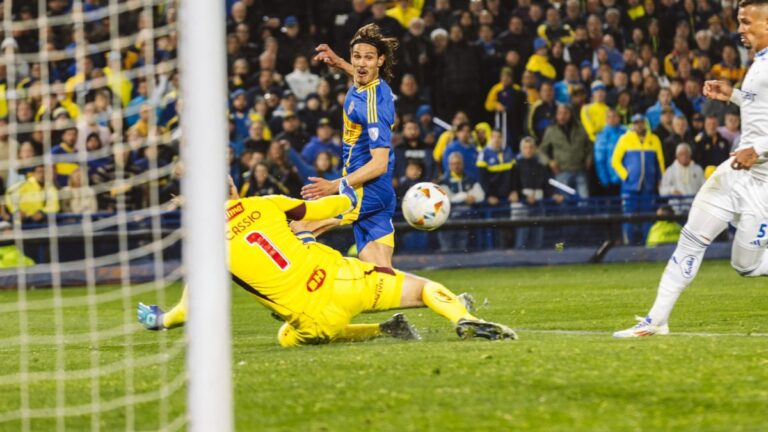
(737, 192)
(312, 287)
(368, 159)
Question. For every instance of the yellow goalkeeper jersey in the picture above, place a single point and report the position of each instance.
(269, 261)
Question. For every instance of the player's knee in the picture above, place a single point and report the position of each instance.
(287, 336)
(744, 267)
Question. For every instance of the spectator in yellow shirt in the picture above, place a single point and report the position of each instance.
(593, 115)
(32, 199)
(539, 63)
(404, 11)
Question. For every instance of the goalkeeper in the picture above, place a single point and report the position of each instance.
(312, 287)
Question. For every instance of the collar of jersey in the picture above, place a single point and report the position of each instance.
(761, 53)
(367, 86)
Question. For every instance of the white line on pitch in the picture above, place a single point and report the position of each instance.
(608, 333)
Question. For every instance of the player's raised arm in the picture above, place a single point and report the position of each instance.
(719, 90)
(326, 55)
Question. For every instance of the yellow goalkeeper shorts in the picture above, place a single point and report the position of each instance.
(359, 287)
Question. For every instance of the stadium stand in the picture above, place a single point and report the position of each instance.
(553, 71)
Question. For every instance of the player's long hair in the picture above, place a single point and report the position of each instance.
(371, 34)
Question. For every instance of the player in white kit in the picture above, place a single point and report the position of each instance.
(736, 193)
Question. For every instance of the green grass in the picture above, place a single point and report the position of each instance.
(545, 381)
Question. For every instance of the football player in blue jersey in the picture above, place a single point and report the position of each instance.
(367, 160)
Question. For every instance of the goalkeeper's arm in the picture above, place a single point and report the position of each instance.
(323, 208)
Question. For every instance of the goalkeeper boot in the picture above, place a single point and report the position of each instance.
(644, 327)
(399, 327)
(468, 328)
(467, 300)
(151, 317)
(349, 191)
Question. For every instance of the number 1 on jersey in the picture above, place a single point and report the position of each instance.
(255, 238)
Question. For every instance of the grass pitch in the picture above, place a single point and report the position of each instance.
(566, 372)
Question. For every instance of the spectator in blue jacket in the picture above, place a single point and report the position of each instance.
(239, 114)
(464, 191)
(639, 161)
(563, 88)
(322, 142)
(463, 144)
(604, 145)
(654, 112)
(495, 163)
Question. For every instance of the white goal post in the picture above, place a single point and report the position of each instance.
(203, 77)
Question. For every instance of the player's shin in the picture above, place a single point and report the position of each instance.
(178, 315)
(684, 264)
(444, 302)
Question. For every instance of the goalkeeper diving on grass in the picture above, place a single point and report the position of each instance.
(310, 286)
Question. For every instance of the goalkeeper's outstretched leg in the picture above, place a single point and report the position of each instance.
(376, 289)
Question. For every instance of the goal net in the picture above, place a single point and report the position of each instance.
(94, 159)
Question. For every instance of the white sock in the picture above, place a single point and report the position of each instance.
(684, 264)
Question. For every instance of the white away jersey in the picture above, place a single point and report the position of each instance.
(753, 100)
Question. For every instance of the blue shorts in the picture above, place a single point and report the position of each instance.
(372, 218)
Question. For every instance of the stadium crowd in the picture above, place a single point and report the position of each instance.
(604, 96)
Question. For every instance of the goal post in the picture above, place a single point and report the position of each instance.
(203, 77)
(94, 147)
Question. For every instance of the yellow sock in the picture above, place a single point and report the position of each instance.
(442, 301)
(359, 332)
(178, 315)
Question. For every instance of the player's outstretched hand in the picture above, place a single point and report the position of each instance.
(718, 90)
(744, 159)
(319, 187)
(326, 55)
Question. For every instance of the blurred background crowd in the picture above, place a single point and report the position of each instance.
(493, 98)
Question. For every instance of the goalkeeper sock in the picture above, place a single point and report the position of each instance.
(359, 332)
(178, 315)
(444, 302)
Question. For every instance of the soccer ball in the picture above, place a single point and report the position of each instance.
(426, 206)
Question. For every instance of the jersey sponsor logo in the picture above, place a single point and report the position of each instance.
(373, 133)
(242, 225)
(316, 280)
(235, 210)
(688, 265)
(379, 290)
(255, 238)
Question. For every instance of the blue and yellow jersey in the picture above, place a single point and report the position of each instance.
(65, 160)
(369, 113)
(495, 162)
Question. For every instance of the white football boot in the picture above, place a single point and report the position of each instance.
(643, 328)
